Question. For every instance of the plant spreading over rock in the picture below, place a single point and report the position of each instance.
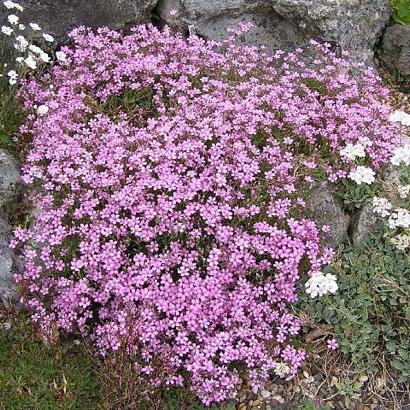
(169, 176)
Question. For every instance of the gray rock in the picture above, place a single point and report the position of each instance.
(326, 209)
(212, 19)
(367, 224)
(9, 178)
(395, 50)
(7, 287)
(58, 17)
(353, 24)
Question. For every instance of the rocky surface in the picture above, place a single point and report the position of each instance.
(9, 179)
(7, 289)
(325, 208)
(395, 50)
(367, 223)
(58, 17)
(9, 187)
(353, 24)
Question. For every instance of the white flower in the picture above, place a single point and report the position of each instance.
(20, 60)
(12, 74)
(401, 155)
(13, 19)
(402, 242)
(11, 5)
(173, 12)
(352, 151)
(42, 110)
(61, 56)
(281, 369)
(320, 284)
(381, 206)
(22, 27)
(365, 141)
(399, 219)
(35, 26)
(31, 62)
(21, 44)
(6, 30)
(45, 57)
(35, 49)
(403, 191)
(49, 38)
(362, 174)
(400, 116)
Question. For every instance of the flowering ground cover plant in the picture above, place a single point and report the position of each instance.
(24, 50)
(169, 176)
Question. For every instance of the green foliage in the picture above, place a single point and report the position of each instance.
(401, 11)
(34, 376)
(370, 314)
(311, 406)
(354, 196)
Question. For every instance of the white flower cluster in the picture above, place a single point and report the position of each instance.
(400, 218)
(401, 242)
(362, 175)
(352, 151)
(281, 369)
(321, 284)
(32, 55)
(403, 191)
(381, 206)
(401, 117)
(401, 155)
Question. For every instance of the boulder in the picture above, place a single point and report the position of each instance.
(353, 24)
(9, 178)
(7, 287)
(58, 17)
(367, 224)
(395, 50)
(212, 19)
(323, 206)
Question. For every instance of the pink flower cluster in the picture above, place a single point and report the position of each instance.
(165, 178)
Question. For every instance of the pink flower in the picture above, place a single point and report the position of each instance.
(332, 344)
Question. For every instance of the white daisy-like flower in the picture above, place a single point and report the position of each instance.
(31, 62)
(20, 60)
(42, 110)
(12, 5)
(362, 175)
(35, 49)
(21, 44)
(6, 30)
(12, 74)
(22, 27)
(48, 37)
(45, 57)
(13, 19)
(35, 27)
(61, 56)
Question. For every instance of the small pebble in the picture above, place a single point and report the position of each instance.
(278, 398)
(265, 393)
